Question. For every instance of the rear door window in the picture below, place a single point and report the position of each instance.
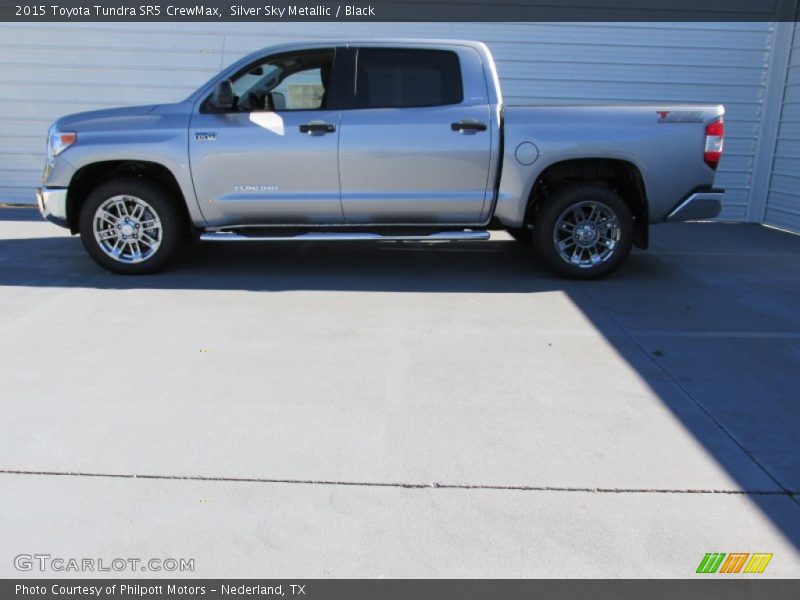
(406, 78)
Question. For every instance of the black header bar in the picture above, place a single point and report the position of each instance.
(398, 10)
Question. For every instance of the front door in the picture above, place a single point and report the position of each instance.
(272, 158)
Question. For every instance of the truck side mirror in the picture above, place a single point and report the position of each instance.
(222, 97)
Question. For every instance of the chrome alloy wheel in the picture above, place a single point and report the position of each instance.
(127, 229)
(587, 234)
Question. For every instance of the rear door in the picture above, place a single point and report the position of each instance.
(415, 137)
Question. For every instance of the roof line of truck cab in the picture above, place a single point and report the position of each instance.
(493, 86)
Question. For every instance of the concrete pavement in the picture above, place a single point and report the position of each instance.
(403, 410)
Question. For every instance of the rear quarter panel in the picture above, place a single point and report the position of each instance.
(669, 155)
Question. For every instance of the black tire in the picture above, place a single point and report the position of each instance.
(161, 204)
(582, 198)
(522, 234)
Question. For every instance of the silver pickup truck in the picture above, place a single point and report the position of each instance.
(377, 140)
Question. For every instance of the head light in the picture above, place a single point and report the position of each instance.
(58, 141)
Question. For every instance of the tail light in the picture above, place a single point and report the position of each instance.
(715, 132)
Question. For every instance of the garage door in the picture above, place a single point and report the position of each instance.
(783, 203)
(53, 69)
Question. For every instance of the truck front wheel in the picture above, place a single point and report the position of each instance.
(130, 226)
(583, 231)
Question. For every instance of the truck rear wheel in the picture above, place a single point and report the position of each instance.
(583, 231)
(130, 226)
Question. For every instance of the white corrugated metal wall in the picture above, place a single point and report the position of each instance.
(52, 69)
(783, 202)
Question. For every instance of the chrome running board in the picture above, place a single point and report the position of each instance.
(333, 236)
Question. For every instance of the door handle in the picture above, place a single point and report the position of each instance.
(317, 128)
(468, 126)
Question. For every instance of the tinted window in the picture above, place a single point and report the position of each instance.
(404, 78)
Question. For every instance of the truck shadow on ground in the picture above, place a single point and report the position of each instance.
(491, 267)
(732, 306)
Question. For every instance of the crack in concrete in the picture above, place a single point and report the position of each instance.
(792, 495)
(410, 485)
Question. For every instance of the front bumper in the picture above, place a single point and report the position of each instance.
(53, 205)
(699, 206)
